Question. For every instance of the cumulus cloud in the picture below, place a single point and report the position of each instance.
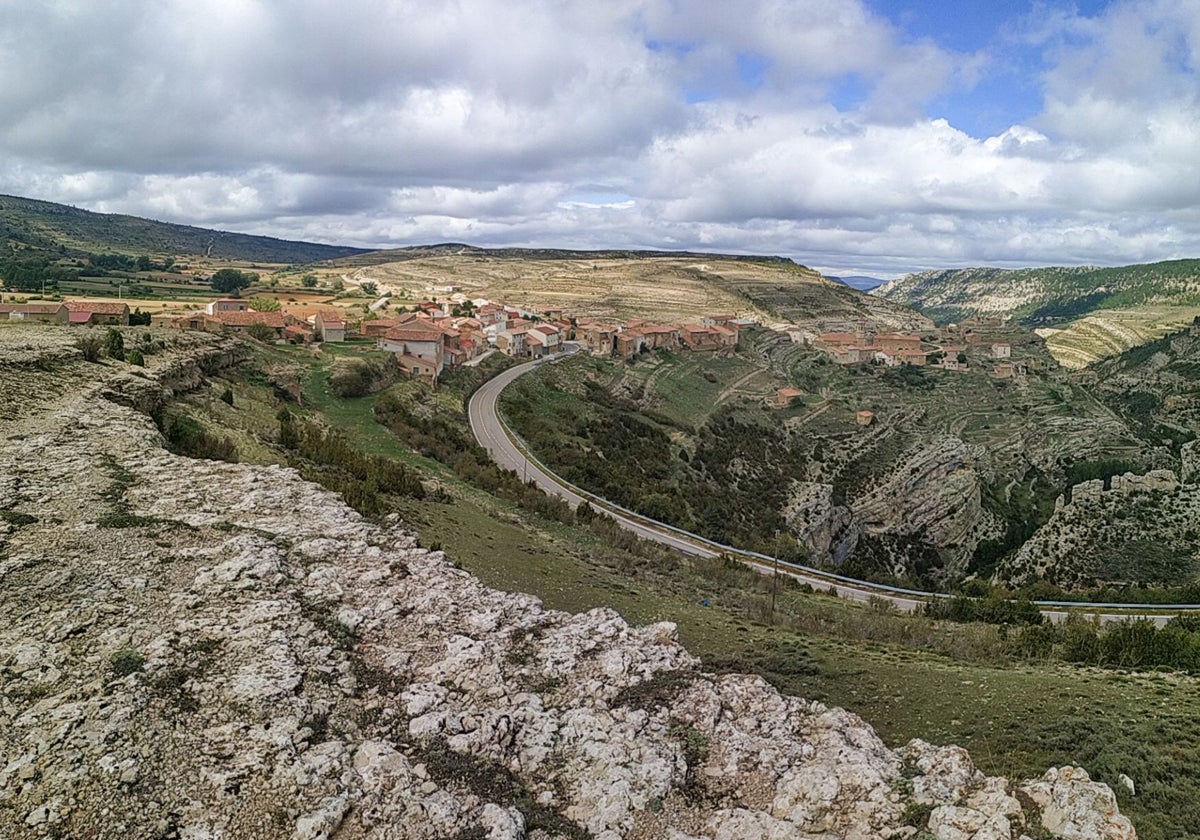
(809, 129)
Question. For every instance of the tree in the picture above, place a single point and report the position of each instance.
(309, 281)
(261, 332)
(230, 281)
(265, 304)
(115, 344)
(370, 288)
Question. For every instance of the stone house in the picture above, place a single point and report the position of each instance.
(419, 340)
(216, 307)
(543, 340)
(240, 321)
(107, 313)
(599, 339)
(39, 313)
(784, 396)
(513, 341)
(329, 327)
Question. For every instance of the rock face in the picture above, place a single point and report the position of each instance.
(932, 495)
(828, 530)
(246, 657)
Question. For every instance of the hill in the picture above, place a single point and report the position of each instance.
(625, 284)
(1084, 312)
(42, 228)
(270, 646)
(954, 470)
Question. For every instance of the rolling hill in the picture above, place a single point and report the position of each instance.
(36, 228)
(1045, 296)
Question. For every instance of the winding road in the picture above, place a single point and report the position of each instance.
(507, 450)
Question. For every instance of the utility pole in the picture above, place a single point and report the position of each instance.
(774, 584)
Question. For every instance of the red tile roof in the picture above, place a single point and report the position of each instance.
(245, 319)
(414, 332)
(107, 308)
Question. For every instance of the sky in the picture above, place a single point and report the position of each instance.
(855, 136)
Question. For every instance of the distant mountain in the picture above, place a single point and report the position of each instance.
(1045, 296)
(861, 282)
(33, 228)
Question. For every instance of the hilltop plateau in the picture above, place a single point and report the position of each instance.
(622, 285)
(209, 649)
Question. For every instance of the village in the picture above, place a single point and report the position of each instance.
(425, 339)
(949, 348)
(433, 335)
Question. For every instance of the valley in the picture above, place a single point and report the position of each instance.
(992, 476)
(908, 675)
(1085, 313)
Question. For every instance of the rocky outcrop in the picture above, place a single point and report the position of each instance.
(829, 531)
(933, 494)
(197, 649)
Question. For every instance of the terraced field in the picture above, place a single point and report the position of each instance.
(1113, 331)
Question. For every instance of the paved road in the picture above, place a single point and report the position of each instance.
(492, 435)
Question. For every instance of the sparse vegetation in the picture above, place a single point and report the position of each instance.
(127, 661)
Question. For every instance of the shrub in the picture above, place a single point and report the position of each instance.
(185, 436)
(127, 661)
(227, 396)
(91, 346)
(114, 344)
(135, 357)
(260, 332)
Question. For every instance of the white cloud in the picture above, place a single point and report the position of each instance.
(709, 124)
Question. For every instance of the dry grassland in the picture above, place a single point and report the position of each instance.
(661, 288)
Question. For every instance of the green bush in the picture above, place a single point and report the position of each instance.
(114, 344)
(185, 436)
(91, 346)
(127, 661)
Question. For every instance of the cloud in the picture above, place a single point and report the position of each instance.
(811, 129)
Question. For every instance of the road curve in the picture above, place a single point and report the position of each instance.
(493, 435)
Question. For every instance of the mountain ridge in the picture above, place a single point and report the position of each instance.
(41, 227)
